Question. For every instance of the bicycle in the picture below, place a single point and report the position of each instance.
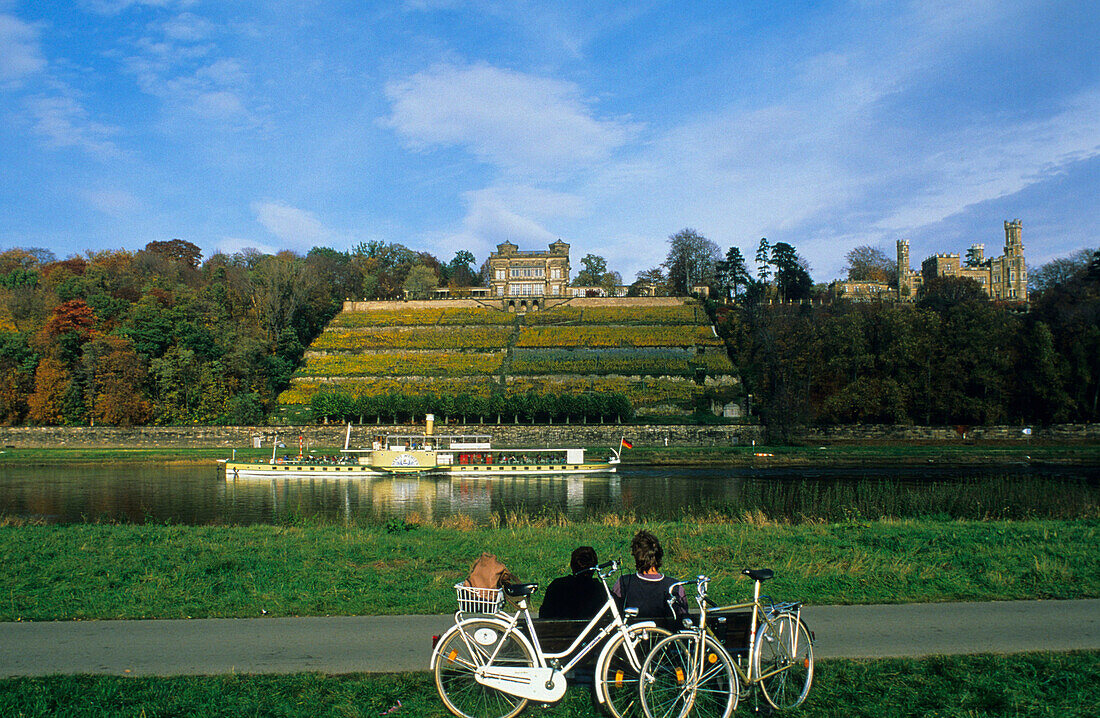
(691, 671)
(485, 666)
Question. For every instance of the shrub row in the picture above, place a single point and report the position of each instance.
(645, 362)
(330, 404)
(675, 315)
(302, 389)
(617, 336)
(403, 364)
(422, 337)
(400, 316)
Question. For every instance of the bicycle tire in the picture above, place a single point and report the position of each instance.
(455, 664)
(784, 656)
(672, 686)
(619, 678)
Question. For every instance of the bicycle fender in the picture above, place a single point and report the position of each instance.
(601, 692)
(499, 623)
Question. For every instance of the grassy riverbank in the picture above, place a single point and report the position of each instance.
(104, 571)
(1038, 684)
(839, 455)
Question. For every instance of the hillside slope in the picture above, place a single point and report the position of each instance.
(662, 353)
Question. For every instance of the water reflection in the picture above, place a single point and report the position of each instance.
(201, 495)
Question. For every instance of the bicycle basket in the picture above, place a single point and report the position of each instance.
(479, 600)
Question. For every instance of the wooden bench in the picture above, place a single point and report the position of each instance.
(731, 630)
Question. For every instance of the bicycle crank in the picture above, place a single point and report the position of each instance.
(544, 685)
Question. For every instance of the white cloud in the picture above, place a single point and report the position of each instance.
(187, 27)
(292, 226)
(20, 55)
(114, 7)
(519, 123)
(63, 122)
(113, 203)
(233, 245)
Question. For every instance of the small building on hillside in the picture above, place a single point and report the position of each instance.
(516, 273)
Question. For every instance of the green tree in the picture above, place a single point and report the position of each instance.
(732, 274)
(763, 260)
(691, 260)
(420, 282)
(792, 280)
(595, 267)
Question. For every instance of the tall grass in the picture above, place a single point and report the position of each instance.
(1037, 685)
(98, 571)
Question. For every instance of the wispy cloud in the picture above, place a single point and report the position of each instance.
(63, 122)
(112, 202)
(520, 123)
(178, 61)
(20, 54)
(292, 226)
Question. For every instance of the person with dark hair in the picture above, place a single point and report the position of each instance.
(578, 596)
(647, 590)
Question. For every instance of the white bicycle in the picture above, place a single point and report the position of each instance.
(490, 664)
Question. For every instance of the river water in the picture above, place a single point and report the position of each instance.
(200, 495)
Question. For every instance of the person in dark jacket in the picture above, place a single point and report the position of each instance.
(578, 596)
(647, 590)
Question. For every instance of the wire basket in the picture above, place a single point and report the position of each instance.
(479, 600)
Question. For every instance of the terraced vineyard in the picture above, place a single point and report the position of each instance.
(662, 354)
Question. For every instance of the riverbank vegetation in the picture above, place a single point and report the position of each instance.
(309, 568)
(880, 455)
(1040, 685)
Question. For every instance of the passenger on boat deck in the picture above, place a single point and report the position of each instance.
(647, 590)
(578, 596)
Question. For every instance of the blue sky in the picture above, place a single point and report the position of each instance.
(448, 125)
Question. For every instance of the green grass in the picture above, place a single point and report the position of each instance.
(1035, 684)
(102, 571)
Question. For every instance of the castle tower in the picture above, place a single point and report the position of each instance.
(1014, 244)
(1014, 270)
(905, 290)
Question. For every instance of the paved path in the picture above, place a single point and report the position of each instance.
(402, 643)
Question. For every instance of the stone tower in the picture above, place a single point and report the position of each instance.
(1014, 276)
(905, 290)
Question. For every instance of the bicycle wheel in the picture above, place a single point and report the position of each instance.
(784, 661)
(674, 683)
(456, 662)
(619, 677)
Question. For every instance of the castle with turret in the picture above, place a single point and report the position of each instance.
(1003, 278)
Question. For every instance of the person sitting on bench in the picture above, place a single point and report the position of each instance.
(578, 596)
(647, 590)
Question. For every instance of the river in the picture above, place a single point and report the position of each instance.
(200, 495)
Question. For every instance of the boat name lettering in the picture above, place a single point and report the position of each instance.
(405, 460)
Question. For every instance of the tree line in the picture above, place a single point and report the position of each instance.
(952, 357)
(161, 336)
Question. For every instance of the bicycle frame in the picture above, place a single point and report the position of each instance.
(545, 680)
(760, 612)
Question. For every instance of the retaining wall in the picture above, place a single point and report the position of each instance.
(558, 435)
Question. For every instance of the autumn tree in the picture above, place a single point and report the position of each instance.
(116, 382)
(51, 383)
(870, 264)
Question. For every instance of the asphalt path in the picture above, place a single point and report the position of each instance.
(351, 644)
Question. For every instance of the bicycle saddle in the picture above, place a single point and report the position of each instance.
(519, 590)
(758, 574)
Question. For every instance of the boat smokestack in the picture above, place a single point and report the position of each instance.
(429, 419)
